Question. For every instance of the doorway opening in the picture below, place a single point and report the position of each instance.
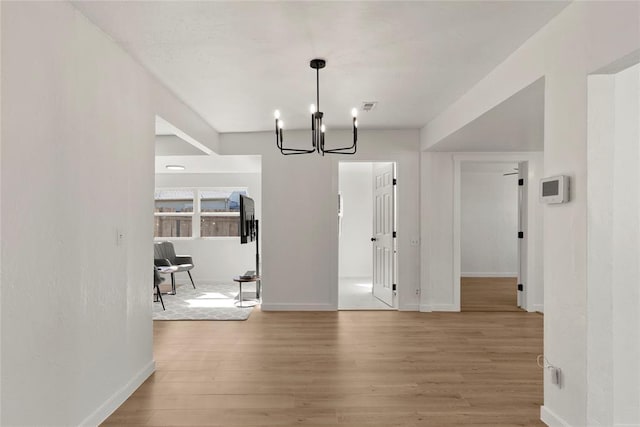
(367, 243)
(490, 215)
(197, 213)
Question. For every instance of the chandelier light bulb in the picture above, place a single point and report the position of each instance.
(312, 108)
(355, 123)
(280, 124)
(354, 112)
(276, 114)
(322, 128)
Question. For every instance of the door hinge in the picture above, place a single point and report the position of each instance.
(395, 181)
(394, 235)
(520, 234)
(520, 287)
(393, 287)
(521, 182)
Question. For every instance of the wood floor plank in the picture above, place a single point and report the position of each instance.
(488, 294)
(344, 369)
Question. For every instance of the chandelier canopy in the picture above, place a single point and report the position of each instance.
(317, 127)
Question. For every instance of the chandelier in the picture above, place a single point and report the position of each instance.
(317, 127)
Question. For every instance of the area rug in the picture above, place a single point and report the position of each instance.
(207, 302)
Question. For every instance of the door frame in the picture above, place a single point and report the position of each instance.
(532, 284)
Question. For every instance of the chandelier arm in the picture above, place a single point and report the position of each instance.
(339, 151)
(320, 146)
(287, 151)
(313, 131)
(347, 150)
(343, 150)
(351, 147)
(277, 142)
(297, 150)
(292, 151)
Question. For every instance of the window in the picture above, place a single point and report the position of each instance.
(174, 213)
(204, 212)
(220, 212)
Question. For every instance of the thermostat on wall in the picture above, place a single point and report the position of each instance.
(554, 189)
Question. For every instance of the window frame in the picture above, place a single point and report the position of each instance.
(197, 214)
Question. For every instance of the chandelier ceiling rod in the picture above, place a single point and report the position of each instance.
(317, 127)
(317, 85)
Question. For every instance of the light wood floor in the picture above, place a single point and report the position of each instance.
(488, 294)
(381, 369)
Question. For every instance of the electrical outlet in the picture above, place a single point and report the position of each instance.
(415, 242)
(417, 291)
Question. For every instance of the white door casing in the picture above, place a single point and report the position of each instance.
(530, 245)
(522, 225)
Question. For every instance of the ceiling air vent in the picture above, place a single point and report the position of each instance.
(369, 105)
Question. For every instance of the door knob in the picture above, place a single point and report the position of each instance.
(373, 239)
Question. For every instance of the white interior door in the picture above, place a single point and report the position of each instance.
(383, 232)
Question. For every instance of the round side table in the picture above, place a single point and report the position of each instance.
(240, 280)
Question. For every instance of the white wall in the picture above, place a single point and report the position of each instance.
(300, 246)
(1, 133)
(356, 188)
(216, 259)
(583, 38)
(613, 328)
(489, 223)
(440, 284)
(77, 165)
(626, 251)
(436, 228)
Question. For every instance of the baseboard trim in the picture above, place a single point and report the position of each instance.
(297, 307)
(488, 274)
(551, 419)
(425, 308)
(444, 307)
(119, 397)
(537, 307)
(409, 307)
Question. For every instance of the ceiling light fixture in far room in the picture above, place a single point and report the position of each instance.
(175, 167)
(317, 127)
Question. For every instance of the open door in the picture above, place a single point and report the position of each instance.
(522, 232)
(384, 232)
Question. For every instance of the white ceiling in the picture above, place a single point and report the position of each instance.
(235, 62)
